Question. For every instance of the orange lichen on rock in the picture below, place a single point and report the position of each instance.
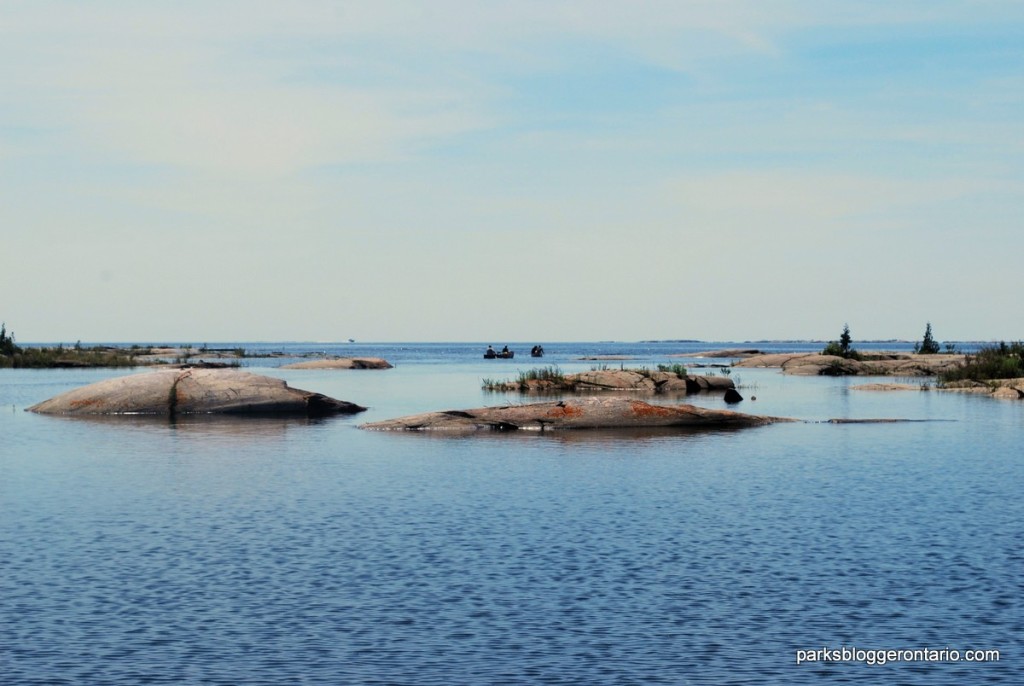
(647, 410)
(78, 404)
(565, 411)
(584, 413)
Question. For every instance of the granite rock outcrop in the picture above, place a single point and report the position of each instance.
(581, 413)
(193, 391)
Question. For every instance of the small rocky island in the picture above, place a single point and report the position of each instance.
(955, 373)
(874, 364)
(581, 413)
(193, 391)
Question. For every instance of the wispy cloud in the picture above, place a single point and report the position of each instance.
(410, 128)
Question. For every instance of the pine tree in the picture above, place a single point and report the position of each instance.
(845, 341)
(928, 345)
(7, 346)
(843, 347)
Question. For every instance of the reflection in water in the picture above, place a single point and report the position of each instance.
(219, 426)
(618, 438)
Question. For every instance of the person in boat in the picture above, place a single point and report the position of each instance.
(490, 352)
(504, 351)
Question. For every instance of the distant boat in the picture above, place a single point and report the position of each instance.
(351, 340)
(537, 351)
(503, 355)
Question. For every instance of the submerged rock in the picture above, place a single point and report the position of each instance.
(1004, 389)
(697, 383)
(342, 363)
(193, 391)
(889, 387)
(731, 352)
(583, 413)
(1008, 393)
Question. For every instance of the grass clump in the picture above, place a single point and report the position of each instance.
(15, 356)
(1001, 361)
(679, 370)
(550, 375)
(61, 357)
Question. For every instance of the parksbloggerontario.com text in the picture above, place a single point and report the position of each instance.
(882, 656)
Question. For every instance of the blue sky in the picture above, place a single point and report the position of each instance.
(217, 171)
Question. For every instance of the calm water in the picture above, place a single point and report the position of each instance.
(213, 551)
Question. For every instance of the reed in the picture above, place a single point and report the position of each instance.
(679, 370)
(550, 374)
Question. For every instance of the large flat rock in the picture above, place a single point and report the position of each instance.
(583, 413)
(193, 391)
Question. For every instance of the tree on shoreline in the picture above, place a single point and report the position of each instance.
(7, 345)
(843, 347)
(928, 345)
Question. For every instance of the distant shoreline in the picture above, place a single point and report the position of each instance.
(233, 343)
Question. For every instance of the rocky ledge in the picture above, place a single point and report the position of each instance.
(193, 391)
(729, 352)
(342, 363)
(617, 380)
(582, 413)
(1004, 389)
(876, 364)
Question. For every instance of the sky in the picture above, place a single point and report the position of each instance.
(206, 170)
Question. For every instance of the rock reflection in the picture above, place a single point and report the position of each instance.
(617, 438)
(219, 426)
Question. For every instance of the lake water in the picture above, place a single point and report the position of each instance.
(219, 551)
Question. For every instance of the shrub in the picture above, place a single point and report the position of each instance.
(12, 355)
(1000, 361)
(843, 347)
(7, 346)
(49, 358)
